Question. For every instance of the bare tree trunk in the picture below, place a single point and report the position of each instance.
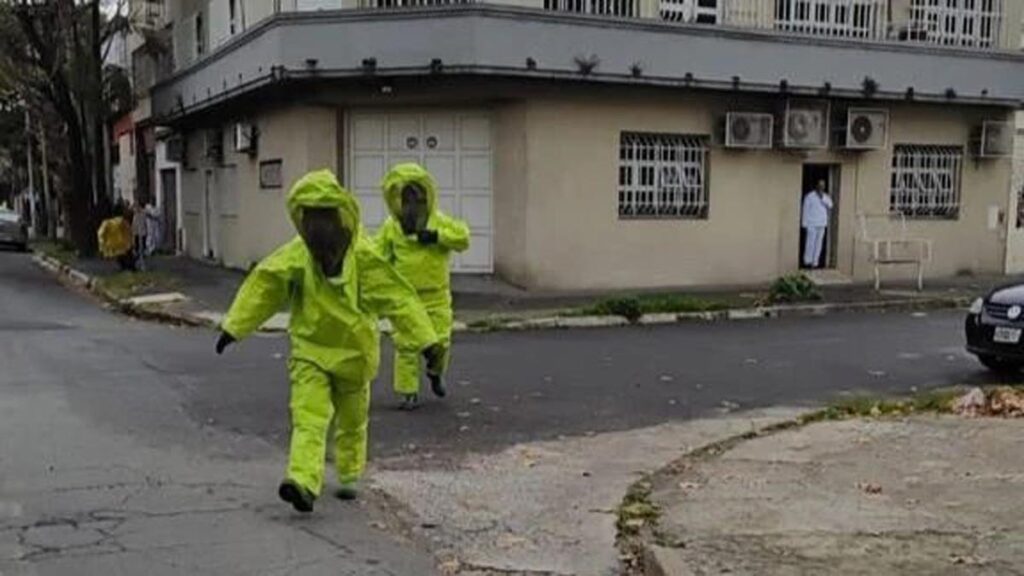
(48, 198)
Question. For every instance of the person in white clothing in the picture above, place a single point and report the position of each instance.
(814, 219)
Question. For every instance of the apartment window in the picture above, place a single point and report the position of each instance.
(833, 18)
(621, 8)
(663, 176)
(690, 11)
(233, 27)
(200, 39)
(968, 23)
(926, 181)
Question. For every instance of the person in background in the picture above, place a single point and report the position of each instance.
(814, 219)
(139, 229)
(153, 231)
(418, 239)
(115, 238)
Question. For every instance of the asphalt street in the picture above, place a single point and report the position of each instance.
(163, 388)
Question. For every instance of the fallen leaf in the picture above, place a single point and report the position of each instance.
(869, 487)
(510, 541)
(463, 428)
(463, 414)
(450, 567)
(474, 401)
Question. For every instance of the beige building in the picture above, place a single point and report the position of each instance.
(610, 144)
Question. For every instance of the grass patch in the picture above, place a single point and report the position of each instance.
(127, 284)
(632, 308)
(934, 401)
(59, 251)
(793, 288)
(636, 510)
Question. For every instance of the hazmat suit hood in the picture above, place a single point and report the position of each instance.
(401, 176)
(320, 189)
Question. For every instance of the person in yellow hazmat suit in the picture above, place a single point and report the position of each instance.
(336, 284)
(115, 239)
(419, 239)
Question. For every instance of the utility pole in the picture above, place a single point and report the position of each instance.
(31, 176)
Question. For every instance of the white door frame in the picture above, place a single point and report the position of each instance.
(209, 227)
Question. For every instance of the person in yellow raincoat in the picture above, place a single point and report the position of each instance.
(336, 284)
(419, 239)
(115, 239)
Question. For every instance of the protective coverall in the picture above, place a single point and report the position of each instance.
(424, 264)
(115, 237)
(334, 337)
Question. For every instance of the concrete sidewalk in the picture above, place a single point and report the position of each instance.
(199, 293)
(922, 495)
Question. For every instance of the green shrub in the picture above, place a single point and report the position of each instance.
(793, 288)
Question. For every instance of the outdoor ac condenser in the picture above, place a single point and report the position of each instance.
(751, 130)
(867, 128)
(805, 125)
(994, 140)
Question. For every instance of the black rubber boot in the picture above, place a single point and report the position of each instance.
(300, 498)
(409, 402)
(437, 385)
(347, 491)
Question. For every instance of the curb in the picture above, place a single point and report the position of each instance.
(734, 314)
(83, 280)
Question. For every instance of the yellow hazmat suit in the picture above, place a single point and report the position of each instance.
(426, 267)
(335, 344)
(115, 237)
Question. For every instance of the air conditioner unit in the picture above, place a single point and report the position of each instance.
(213, 145)
(867, 128)
(748, 130)
(245, 137)
(805, 125)
(995, 140)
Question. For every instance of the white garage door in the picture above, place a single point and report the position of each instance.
(454, 146)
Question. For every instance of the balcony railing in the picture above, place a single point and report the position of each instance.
(955, 23)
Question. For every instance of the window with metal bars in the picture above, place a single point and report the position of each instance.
(968, 23)
(926, 181)
(663, 176)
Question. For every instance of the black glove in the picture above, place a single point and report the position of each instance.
(434, 355)
(427, 237)
(224, 341)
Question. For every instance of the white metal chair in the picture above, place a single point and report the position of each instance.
(889, 244)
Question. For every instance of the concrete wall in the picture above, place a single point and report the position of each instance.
(511, 192)
(249, 222)
(574, 238)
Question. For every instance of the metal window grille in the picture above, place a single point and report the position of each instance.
(865, 19)
(663, 176)
(926, 181)
(967, 23)
(619, 8)
(690, 11)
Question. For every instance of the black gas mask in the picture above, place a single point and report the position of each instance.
(326, 238)
(415, 211)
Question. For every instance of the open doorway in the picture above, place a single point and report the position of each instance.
(828, 176)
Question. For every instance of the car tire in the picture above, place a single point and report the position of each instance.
(997, 364)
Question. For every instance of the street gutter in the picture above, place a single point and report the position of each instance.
(554, 322)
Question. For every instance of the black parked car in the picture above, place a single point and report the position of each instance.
(994, 328)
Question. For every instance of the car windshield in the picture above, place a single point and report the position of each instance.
(8, 216)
